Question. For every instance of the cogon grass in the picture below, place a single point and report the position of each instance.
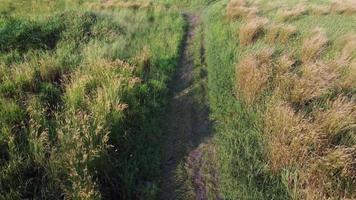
(348, 78)
(320, 9)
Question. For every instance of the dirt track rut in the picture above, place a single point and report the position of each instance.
(188, 128)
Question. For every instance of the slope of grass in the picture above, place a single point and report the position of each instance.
(81, 93)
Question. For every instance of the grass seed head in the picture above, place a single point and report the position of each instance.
(314, 45)
(315, 80)
(288, 135)
(340, 116)
(291, 14)
(252, 73)
(250, 31)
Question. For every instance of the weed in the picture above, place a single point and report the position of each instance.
(332, 174)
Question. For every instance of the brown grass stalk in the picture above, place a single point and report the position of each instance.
(314, 45)
(291, 14)
(238, 8)
(288, 136)
(279, 33)
(252, 73)
(340, 116)
(314, 81)
(343, 6)
(250, 31)
(332, 176)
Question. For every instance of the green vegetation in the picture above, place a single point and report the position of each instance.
(81, 92)
(274, 100)
(84, 88)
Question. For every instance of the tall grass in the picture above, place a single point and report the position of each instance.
(81, 95)
(291, 143)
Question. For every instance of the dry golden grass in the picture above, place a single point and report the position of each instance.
(264, 56)
(348, 78)
(291, 14)
(345, 63)
(252, 73)
(327, 176)
(279, 33)
(343, 6)
(314, 45)
(288, 135)
(320, 9)
(286, 32)
(238, 8)
(272, 33)
(315, 80)
(284, 64)
(249, 31)
(283, 79)
(348, 42)
(340, 116)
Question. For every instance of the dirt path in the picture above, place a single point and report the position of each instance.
(188, 130)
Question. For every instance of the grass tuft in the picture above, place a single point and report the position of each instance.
(249, 32)
(279, 33)
(332, 175)
(338, 118)
(314, 45)
(288, 136)
(294, 13)
(315, 80)
(252, 73)
(343, 6)
(238, 9)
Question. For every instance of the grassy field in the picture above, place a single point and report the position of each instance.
(81, 94)
(84, 87)
(282, 92)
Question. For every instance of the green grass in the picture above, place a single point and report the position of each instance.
(238, 138)
(75, 123)
(238, 129)
(83, 93)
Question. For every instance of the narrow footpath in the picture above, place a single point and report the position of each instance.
(188, 131)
